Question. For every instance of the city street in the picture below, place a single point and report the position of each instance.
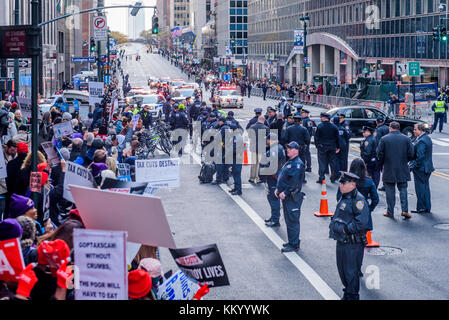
(410, 264)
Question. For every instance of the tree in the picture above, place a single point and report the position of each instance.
(121, 38)
(147, 35)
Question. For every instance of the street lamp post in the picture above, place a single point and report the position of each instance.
(16, 61)
(305, 18)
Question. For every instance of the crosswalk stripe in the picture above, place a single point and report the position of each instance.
(444, 139)
(440, 143)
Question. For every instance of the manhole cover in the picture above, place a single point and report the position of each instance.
(442, 226)
(383, 251)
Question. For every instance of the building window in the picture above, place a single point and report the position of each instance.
(61, 42)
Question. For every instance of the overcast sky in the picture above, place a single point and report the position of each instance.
(117, 18)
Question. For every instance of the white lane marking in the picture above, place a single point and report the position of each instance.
(439, 143)
(314, 279)
(440, 154)
(444, 139)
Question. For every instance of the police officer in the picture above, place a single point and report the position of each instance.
(381, 130)
(232, 122)
(300, 135)
(308, 124)
(342, 135)
(288, 189)
(439, 108)
(368, 153)
(348, 226)
(343, 129)
(258, 112)
(179, 120)
(275, 150)
(223, 167)
(328, 145)
(290, 121)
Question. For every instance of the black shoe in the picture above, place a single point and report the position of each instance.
(304, 182)
(319, 181)
(285, 244)
(289, 248)
(251, 181)
(237, 193)
(267, 220)
(420, 211)
(232, 190)
(360, 274)
(309, 170)
(272, 224)
(217, 182)
(382, 188)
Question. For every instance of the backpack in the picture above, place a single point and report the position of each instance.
(207, 173)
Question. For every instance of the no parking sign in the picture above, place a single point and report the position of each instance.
(100, 28)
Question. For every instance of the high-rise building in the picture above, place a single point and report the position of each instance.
(179, 13)
(136, 24)
(163, 8)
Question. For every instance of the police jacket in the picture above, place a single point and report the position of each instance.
(254, 121)
(439, 107)
(179, 120)
(283, 135)
(194, 111)
(368, 150)
(297, 133)
(257, 131)
(344, 131)
(326, 136)
(167, 109)
(234, 124)
(351, 217)
(147, 118)
(422, 159)
(381, 131)
(290, 177)
(274, 151)
(307, 123)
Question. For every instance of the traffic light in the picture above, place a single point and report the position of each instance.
(136, 9)
(443, 34)
(436, 33)
(92, 45)
(155, 29)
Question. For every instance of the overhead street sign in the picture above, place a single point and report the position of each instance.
(22, 63)
(83, 59)
(100, 27)
(414, 69)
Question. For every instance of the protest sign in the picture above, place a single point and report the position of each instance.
(203, 264)
(142, 217)
(96, 92)
(53, 157)
(11, 260)
(178, 287)
(63, 129)
(100, 257)
(124, 186)
(123, 172)
(3, 172)
(135, 121)
(76, 175)
(160, 173)
(35, 182)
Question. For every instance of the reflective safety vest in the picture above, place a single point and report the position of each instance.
(439, 107)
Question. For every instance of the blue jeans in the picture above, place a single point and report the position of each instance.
(222, 172)
(237, 176)
(438, 117)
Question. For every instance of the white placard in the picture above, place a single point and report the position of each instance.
(178, 287)
(96, 92)
(3, 172)
(63, 129)
(76, 175)
(159, 173)
(100, 27)
(53, 157)
(100, 258)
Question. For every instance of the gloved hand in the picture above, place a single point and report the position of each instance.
(201, 292)
(27, 280)
(64, 276)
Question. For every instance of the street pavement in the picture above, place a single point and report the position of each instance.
(411, 263)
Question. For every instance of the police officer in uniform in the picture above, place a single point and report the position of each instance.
(258, 112)
(308, 124)
(300, 135)
(368, 153)
(348, 226)
(381, 130)
(289, 122)
(288, 189)
(439, 108)
(328, 145)
(342, 157)
(274, 150)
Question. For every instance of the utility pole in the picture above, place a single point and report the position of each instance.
(16, 61)
(304, 19)
(109, 53)
(100, 75)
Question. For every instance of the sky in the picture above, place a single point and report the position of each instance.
(117, 17)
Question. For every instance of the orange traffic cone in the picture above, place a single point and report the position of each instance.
(245, 155)
(371, 243)
(324, 210)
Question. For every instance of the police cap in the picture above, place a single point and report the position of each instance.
(305, 111)
(380, 119)
(325, 115)
(205, 113)
(297, 116)
(231, 113)
(271, 109)
(222, 119)
(368, 128)
(213, 115)
(258, 110)
(335, 119)
(348, 177)
(293, 145)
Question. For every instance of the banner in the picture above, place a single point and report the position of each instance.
(299, 41)
(178, 287)
(160, 173)
(36, 182)
(63, 129)
(11, 260)
(52, 155)
(25, 107)
(96, 92)
(135, 121)
(100, 258)
(124, 186)
(203, 264)
(142, 217)
(76, 175)
(123, 172)
(3, 172)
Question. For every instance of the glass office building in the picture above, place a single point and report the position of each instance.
(346, 36)
(232, 23)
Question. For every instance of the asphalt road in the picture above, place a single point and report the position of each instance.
(411, 263)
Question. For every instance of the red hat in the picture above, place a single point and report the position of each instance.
(13, 105)
(40, 168)
(139, 284)
(53, 253)
(74, 214)
(22, 147)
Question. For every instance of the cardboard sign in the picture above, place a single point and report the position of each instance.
(36, 182)
(135, 121)
(63, 129)
(52, 155)
(11, 260)
(142, 217)
(178, 287)
(123, 172)
(100, 257)
(96, 92)
(159, 173)
(3, 172)
(203, 264)
(76, 175)
(124, 186)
